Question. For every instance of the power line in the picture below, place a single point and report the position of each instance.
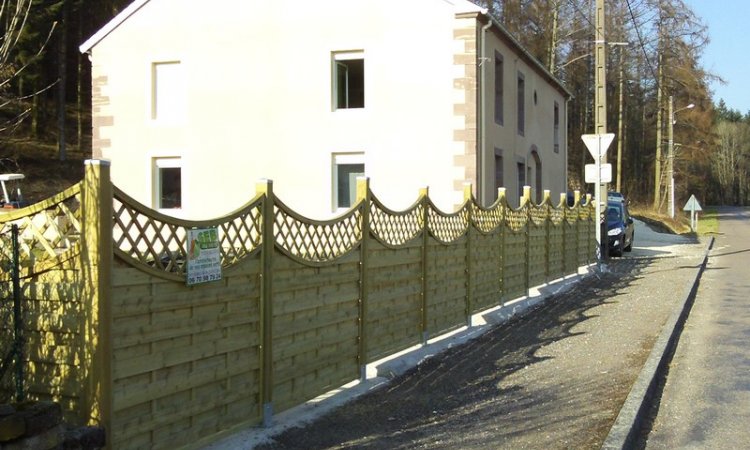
(640, 42)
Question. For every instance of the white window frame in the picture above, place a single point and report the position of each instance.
(165, 162)
(337, 160)
(173, 97)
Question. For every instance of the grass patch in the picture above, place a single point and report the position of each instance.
(708, 221)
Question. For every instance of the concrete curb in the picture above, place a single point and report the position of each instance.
(624, 432)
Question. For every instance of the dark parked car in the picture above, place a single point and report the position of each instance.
(620, 228)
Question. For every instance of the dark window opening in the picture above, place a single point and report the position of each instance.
(499, 80)
(170, 187)
(521, 105)
(349, 79)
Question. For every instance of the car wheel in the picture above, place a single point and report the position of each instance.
(629, 248)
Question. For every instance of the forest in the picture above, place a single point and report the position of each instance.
(653, 68)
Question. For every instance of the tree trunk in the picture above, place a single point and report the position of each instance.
(61, 82)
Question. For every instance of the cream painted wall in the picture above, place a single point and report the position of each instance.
(258, 90)
(257, 76)
(538, 130)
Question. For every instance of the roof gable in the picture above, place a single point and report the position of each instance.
(112, 25)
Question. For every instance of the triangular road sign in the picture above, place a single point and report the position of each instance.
(598, 143)
(692, 204)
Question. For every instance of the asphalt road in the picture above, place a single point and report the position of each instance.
(706, 399)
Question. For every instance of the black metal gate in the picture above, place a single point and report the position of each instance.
(11, 318)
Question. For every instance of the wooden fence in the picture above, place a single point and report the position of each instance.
(116, 335)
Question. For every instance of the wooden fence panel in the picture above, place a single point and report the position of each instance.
(486, 270)
(447, 284)
(315, 328)
(570, 239)
(53, 332)
(537, 254)
(585, 244)
(394, 298)
(514, 264)
(556, 251)
(186, 360)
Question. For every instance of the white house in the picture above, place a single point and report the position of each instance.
(194, 102)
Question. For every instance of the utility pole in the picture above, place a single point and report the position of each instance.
(620, 137)
(600, 119)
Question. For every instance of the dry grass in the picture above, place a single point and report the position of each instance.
(679, 225)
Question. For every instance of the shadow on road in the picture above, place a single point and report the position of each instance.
(456, 398)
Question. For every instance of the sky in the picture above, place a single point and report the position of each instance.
(728, 53)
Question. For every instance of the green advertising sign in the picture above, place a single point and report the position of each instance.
(203, 256)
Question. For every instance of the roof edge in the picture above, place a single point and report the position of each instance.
(535, 63)
(111, 25)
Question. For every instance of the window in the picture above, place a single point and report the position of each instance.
(521, 104)
(167, 183)
(521, 178)
(168, 91)
(346, 169)
(556, 137)
(538, 174)
(499, 182)
(348, 80)
(499, 80)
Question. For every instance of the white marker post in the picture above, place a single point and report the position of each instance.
(598, 145)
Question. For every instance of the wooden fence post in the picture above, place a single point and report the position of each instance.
(526, 203)
(266, 301)
(577, 210)
(563, 204)
(469, 291)
(363, 197)
(503, 203)
(96, 265)
(593, 222)
(424, 194)
(547, 231)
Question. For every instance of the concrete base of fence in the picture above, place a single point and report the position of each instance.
(382, 371)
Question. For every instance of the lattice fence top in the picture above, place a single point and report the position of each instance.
(487, 220)
(516, 219)
(395, 228)
(557, 215)
(48, 229)
(539, 213)
(447, 228)
(316, 241)
(159, 241)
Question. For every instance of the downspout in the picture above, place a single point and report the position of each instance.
(481, 128)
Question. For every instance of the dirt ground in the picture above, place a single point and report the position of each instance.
(553, 378)
(45, 174)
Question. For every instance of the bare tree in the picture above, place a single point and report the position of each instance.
(14, 15)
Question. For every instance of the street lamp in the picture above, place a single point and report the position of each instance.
(670, 158)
